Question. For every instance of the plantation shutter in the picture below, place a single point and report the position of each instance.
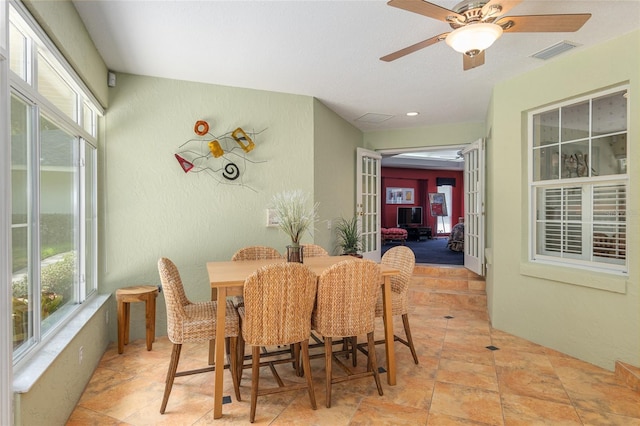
(609, 223)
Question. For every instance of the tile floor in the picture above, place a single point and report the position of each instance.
(458, 381)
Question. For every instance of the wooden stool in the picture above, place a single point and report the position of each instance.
(138, 293)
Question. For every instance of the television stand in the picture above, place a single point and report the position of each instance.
(418, 233)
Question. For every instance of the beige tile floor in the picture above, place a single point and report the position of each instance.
(458, 381)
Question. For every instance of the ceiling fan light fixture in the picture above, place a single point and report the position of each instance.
(473, 37)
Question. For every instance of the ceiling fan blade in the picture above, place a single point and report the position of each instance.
(413, 48)
(425, 8)
(469, 62)
(544, 23)
(505, 6)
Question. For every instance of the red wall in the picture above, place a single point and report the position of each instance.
(423, 182)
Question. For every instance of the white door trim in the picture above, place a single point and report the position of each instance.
(368, 178)
(474, 177)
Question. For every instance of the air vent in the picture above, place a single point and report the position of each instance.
(555, 50)
(373, 118)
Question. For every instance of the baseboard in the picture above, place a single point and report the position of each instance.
(628, 374)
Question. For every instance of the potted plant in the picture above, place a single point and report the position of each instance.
(349, 237)
(295, 217)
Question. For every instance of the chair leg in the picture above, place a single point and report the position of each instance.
(240, 362)
(407, 332)
(306, 365)
(354, 350)
(373, 362)
(212, 351)
(295, 348)
(233, 366)
(328, 354)
(127, 318)
(255, 377)
(171, 374)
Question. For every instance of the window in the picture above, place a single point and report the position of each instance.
(53, 187)
(444, 225)
(579, 183)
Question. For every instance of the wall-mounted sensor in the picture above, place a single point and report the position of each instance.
(111, 79)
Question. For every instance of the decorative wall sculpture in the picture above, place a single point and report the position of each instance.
(224, 157)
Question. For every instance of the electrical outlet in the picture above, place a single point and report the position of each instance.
(80, 354)
(328, 224)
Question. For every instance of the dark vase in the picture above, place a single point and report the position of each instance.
(294, 254)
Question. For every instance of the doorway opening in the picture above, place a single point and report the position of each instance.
(426, 170)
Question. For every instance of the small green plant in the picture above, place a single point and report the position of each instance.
(58, 277)
(57, 287)
(349, 237)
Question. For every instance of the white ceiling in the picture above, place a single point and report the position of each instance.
(330, 50)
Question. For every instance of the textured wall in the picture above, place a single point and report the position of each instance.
(54, 396)
(418, 137)
(65, 28)
(334, 172)
(151, 208)
(545, 304)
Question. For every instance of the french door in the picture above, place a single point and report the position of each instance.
(474, 207)
(368, 201)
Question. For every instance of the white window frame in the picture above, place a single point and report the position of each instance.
(40, 105)
(587, 184)
(6, 373)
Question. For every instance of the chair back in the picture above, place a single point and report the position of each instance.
(403, 259)
(346, 299)
(278, 301)
(174, 297)
(312, 250)
(256, 253)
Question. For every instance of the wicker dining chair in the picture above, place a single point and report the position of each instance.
(253, 253)
(312, 250)
(189, 322)
(403, 259)
(256, 253)
(345, 307)
(278, 301)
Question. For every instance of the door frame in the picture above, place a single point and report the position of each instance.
(474, 203)
(461, 148)
(368, 188)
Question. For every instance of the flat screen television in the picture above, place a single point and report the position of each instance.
(409, 216)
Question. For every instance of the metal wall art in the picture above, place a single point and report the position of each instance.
(223, 157)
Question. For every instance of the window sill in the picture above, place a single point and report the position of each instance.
(26, 375)
(615, 283)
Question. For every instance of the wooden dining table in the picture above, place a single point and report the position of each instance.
(227, 279)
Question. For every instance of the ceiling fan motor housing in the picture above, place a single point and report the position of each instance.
(472, 12)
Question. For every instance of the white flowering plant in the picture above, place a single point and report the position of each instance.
(294, 215)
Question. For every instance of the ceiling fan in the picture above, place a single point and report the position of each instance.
(478, 23)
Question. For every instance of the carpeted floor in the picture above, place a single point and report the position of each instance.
(431, 251)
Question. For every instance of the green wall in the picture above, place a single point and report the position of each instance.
(55, 394)
(595, 317)
(64, 27)
(418, 137)
(154, 209)
(335, 143)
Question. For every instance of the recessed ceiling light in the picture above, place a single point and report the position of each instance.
(412, 114)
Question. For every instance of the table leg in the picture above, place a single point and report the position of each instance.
(218, 387)
(121, 325)
(150, 320)
(388, 332)
(212, 344)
